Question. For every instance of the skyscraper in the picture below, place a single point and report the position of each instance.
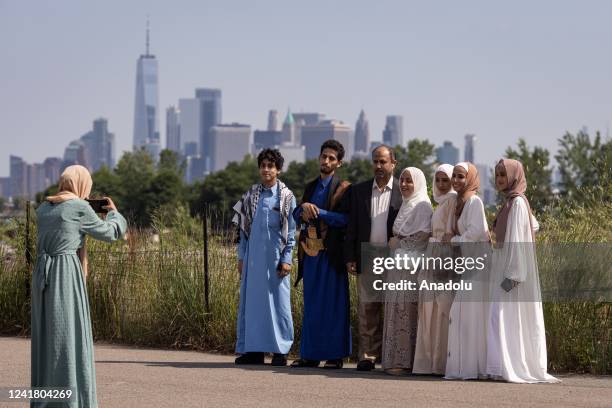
(210, 115)
(273, 120)
(313, 137)
(468, 151)
(146, 115)
(173, 129)
(189, 122)
(393, 134)
(289, 130)
(53, 169)
(362, 133)
(305, 118)
(98, 146)
(447, 153)
(229, 143)
(19, 177)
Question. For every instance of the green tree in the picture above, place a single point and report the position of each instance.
(298, 174)
(419, 154)
(170, 161)
(584, 163)
(356, 170)
(107, 183)
(220, 190)
(136, 172)
(538, 172)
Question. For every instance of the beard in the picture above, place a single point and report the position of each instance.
(326, 170)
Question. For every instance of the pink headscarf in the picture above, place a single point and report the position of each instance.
(517, 185)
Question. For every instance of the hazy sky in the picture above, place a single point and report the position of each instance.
(501, 70)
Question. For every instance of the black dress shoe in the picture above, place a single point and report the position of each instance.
(365, 365)
(250, 358)
(334, 364)
(279, 360)
(302, 362)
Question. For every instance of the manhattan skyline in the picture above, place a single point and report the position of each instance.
(498, 71)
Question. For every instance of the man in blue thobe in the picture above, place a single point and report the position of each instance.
(267, 230)
(322, 215)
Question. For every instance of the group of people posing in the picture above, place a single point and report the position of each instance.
(438, 332)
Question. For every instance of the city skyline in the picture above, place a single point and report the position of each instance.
(504, 75)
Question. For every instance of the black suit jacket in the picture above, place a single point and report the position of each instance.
(334, 239)
(360, 221)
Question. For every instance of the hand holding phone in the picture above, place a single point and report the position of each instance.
(508, 284)
(99, 205)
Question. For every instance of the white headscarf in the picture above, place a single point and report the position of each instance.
(415, 213)
(441, 198)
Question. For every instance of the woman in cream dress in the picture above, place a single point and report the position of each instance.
(467, 331)
(434, 305)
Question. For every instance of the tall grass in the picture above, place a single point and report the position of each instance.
(149, 289)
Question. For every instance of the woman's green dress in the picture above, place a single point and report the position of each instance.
(62, 341)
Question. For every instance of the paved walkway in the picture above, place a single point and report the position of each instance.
(134, 377)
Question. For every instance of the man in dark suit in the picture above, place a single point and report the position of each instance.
(374, 204)
(322, 217)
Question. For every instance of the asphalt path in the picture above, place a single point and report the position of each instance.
(137, 377)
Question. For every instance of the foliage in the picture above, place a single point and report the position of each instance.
(583, 162)
(536, 163)
(419, 154)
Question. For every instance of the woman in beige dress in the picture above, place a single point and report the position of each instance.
(434, 305)
(411, 231)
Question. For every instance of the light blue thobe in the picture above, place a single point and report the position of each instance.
(264, 314)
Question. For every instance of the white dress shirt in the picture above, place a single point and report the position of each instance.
(379, 212)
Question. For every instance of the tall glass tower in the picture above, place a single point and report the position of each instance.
(146, 113)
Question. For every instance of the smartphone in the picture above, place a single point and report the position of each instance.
(507, 285)
(97, 205)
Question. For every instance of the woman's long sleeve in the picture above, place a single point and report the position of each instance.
(110, 229)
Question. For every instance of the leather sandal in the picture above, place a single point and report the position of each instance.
(303, 363)
(334, 364)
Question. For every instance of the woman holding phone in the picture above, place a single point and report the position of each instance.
(516, 341)
(62, 341)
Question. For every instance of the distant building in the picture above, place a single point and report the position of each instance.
(209, 116)
(447, 153)
(309, 118)
(53, 169)
(393, 134)
(289, 130)
(37, 181)
(146, 113)
(229, 143)
(19, 177)
(189, 123)
(5, 187)
(487, 190)
(273, 120)
(313, 137)
(362, 133)
(173, 129)
(374, 145)
(266, 138)
(468, 152)
(98, 146)
(305, 119)
(74, 154)
(196, 169)
(292, 153)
